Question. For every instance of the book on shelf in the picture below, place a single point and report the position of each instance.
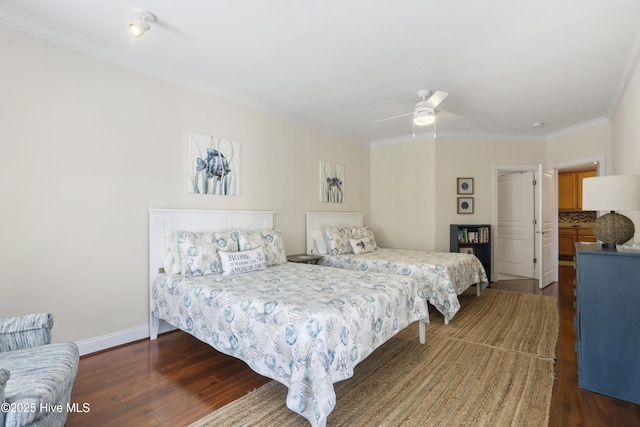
(478, 235)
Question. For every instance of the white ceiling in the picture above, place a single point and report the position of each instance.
(341, 64)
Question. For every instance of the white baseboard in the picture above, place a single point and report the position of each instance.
(115, 339)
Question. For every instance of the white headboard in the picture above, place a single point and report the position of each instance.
(322, 220)
(165, 221)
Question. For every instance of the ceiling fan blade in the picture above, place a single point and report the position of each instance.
(436, 98)
(392, 117)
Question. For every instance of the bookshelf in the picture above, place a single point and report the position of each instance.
(472, 238)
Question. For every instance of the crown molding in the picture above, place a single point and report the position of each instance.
(458, 135)
(74, 41)
(600, 121)
(627, 73)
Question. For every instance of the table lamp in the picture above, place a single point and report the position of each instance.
(612, 193)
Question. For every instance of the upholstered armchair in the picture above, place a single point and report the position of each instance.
(36, 376)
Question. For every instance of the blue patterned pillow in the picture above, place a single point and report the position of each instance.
(271, 242)
(338, 240)
(198, 252)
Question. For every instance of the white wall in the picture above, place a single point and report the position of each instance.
(86, 147)
(402, 194)
(413, 185)
(626, 138)
(584, 142)
(475, 158)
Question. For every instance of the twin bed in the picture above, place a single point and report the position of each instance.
(442, 276)
(303, 325)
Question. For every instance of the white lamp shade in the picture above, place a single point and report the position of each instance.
(611, 193)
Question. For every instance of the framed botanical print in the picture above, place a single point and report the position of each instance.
(331, 182)
(465, 205)
(465, 185)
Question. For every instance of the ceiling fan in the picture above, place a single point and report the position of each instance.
(424, 113)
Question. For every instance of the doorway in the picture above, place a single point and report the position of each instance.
(574, 224)
(526, 245)
(516, 215)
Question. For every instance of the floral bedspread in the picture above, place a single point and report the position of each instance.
(303, 325)
(442, 275)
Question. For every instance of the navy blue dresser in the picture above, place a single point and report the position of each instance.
(607, 322)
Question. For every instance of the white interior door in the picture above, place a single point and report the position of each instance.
(516, 209)
(546, 227)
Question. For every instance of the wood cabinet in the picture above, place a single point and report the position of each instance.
(586, 235)
(606, 322)
(568, 237)
(570, 189)
(579, 177)
(567, 191)
(472, 238)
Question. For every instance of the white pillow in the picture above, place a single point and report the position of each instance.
(321, 243)
(360, 246)
(243, 261)
(171, 260)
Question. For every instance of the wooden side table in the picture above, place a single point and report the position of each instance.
(304, 258)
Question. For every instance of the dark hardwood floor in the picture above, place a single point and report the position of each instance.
(177, 379)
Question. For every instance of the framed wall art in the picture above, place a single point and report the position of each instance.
(331, 182)
(214, 165)
(465, 185)
(465, 205)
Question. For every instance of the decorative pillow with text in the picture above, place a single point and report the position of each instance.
(242, 261)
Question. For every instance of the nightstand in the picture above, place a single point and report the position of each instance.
(304, 258)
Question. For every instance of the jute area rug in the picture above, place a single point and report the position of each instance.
(493, 365)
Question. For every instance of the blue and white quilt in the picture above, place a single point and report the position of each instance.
(442, 275)
(303, 325)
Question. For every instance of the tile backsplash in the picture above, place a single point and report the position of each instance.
(581, 216)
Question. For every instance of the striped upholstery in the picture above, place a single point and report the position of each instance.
(25, 331)
(4, 376)
(41, 376)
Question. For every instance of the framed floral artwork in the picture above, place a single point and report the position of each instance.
(331, 182)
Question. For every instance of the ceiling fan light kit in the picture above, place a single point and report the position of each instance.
(424, 117)
(424, 113)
